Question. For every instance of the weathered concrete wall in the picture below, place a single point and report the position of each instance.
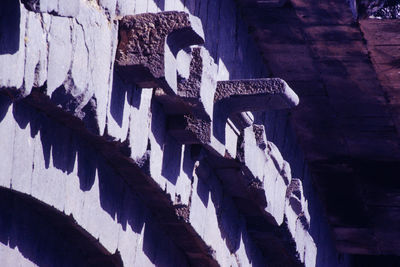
(66, 115)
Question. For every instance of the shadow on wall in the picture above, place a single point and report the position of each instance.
(209, 190)
(280, 132)
(43, 235)
(121, 91)
(9, 26)
(230, 222)
(229, 41)
(172, 150)
(64, 148)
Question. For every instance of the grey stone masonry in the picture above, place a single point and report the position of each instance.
(135, 123)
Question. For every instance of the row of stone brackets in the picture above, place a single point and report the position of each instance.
(232, 98)
(147, 53)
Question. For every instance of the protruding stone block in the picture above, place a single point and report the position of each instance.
(297, 204)
(196, 85)
(237, 96)
(149, 43)
(255, 95)
(199, 88)
(189, 130)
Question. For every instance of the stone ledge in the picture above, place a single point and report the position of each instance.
(149, 42)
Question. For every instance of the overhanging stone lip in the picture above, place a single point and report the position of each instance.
(255, 95)
(148, 44)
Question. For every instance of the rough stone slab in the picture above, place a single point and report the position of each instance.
(248, 95)
(233, 96)
(189, 130)
(198, 89)
(148, 46)
(255, 95)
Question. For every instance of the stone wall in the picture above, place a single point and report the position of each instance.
(96, 154)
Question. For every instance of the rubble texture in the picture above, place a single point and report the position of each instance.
(146, 42)
(383, 9)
